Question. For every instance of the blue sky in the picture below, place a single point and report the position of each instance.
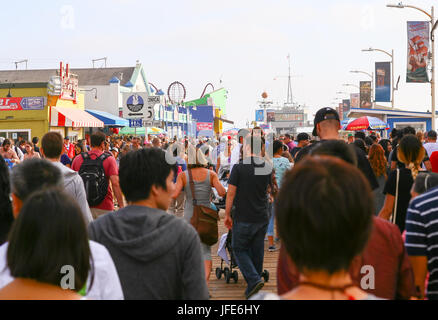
(244, 43)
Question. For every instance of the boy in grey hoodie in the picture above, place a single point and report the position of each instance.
(51, 149)
(157, 255)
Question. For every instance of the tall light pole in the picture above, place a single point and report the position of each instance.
(371, 75)
(432, 38)
(342, 102)
(392, 68)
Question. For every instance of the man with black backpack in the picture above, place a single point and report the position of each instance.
(97, 169)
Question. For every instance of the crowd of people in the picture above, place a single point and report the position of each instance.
(354, 219)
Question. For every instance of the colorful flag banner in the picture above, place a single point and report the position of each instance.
(354, 100)
(341, 111)
(383, 81)
(365, 94)
(345, 108)
(418, 51)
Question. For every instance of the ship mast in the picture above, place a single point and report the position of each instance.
(289, 100)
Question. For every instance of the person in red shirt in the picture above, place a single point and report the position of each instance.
(69, 148)
(391, 275)
(111, 174)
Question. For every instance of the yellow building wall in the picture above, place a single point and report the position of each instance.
(37, 120)
(69, 104)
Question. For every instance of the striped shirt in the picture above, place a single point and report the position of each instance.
(422, 235)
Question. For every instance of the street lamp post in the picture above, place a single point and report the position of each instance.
(392, 68)
(432, 38)
(371, 75)
(91, 90)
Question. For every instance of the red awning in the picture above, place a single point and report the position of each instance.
(75, 118)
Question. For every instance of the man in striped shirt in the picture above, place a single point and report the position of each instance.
(422, 241)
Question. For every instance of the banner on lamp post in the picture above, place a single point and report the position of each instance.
(345, 108)
(418, 51)
(365, 94)
(354, 100)
(260, 115)
(383, 81)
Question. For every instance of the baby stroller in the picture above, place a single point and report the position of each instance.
(224, 248)
(220, 202)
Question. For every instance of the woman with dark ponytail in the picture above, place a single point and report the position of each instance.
(411, 153)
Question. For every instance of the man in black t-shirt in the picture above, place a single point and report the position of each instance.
(248, 192)
(303, 141)
(327, 126)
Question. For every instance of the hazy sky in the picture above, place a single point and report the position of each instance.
(243, 42)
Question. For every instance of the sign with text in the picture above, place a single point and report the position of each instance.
(138, 105)
(203, 126)
(27, 103)
(135, 123)
(289, 117)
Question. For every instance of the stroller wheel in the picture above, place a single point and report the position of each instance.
(228, 277)
(265, 275)
(218, 273)
(226, 272)
(235, 276)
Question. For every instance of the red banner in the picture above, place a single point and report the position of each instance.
(18, 103)
(418, 51)
(69, 84)
(204, 126)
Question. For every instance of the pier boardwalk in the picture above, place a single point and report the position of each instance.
(220, 290)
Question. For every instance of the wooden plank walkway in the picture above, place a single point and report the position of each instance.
(220, 290)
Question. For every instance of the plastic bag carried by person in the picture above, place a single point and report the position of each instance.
(222, 250)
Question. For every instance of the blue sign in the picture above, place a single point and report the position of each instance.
(135, 123)
(34, 103)
(260, 116)
(135, 103)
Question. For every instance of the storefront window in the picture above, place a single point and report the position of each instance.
(418, 126)
(14, 134)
